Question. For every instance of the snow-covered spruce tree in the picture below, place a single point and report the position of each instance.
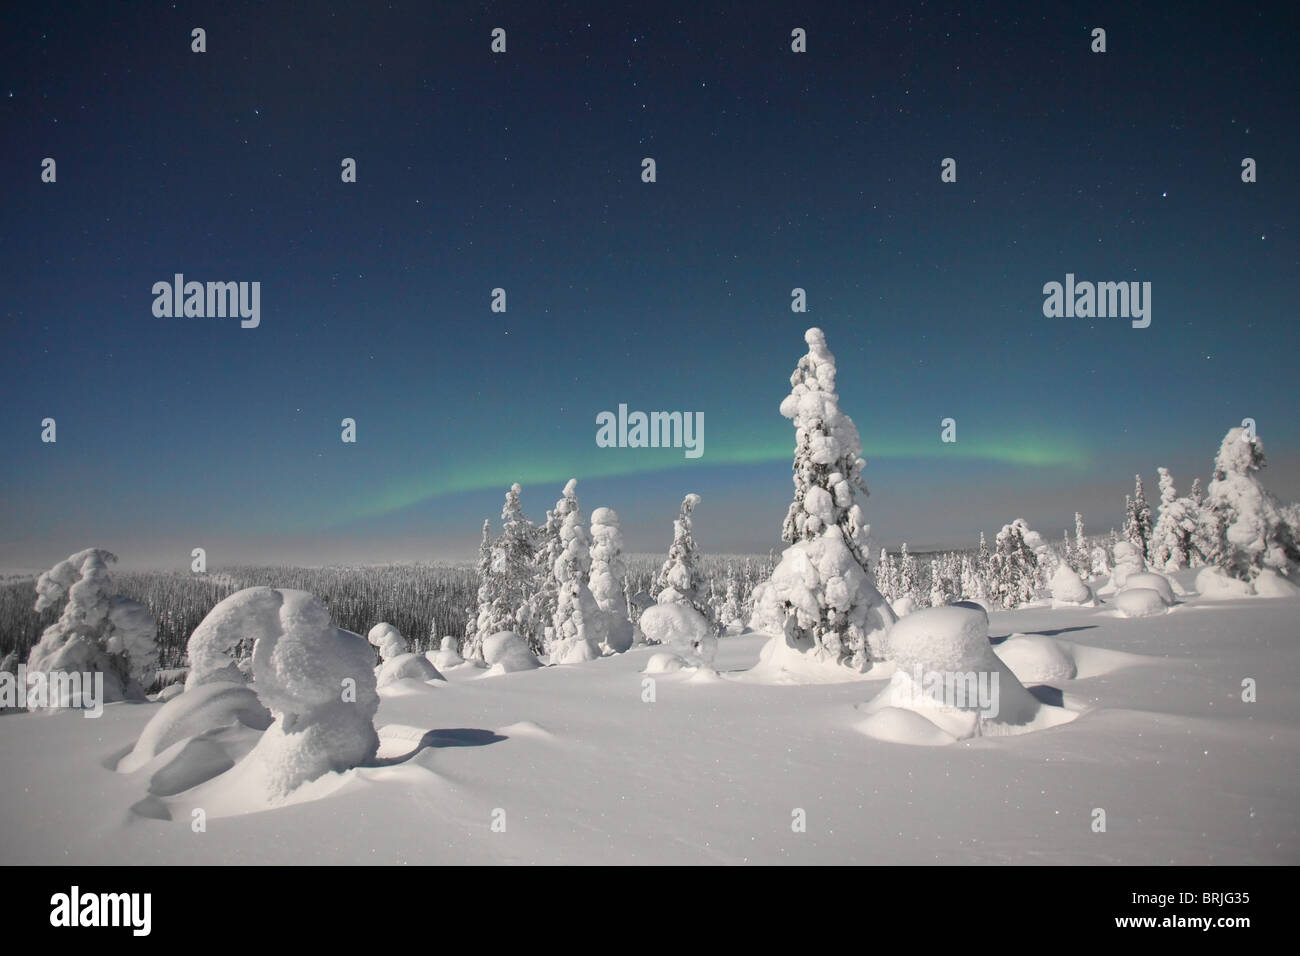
(98, 631)
(821, 598)
(579, 624)
(732, 616)
(680, 580)
(886, 576)
(1013, 566)
(479, 615)
(941, 586)
(1171, 541)
(608, 574)
(1137, 524)
(907, 576)
(513, 556)
(1082, 555)
(546, 589)
(1242, 529)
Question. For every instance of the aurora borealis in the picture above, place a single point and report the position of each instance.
(521, 171)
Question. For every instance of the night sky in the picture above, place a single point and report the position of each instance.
(522, 170)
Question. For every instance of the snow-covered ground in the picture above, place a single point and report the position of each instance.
(570, 764)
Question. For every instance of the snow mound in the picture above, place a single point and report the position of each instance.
(948, 676)
(903, 606)
(407, 667)
(506, 652)
(1140, 602)
(665, 663)
(446, 656)
(1214, 584)
(1036, 659)
(1068, 588)
(1156, 582)
(170, 692)
(197, 711)
(951, 638)
(1270, 584)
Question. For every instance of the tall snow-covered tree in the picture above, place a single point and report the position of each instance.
(579, 623)
(608, 573)
(821, 596)
(679, 580)
(546, 588)
(97, 632)
(1137, 523)
(1242, 529)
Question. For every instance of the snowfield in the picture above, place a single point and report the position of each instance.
(572, 763)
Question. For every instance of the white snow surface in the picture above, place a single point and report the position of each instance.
(709, 773)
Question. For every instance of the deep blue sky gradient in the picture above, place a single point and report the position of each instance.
(775, 170)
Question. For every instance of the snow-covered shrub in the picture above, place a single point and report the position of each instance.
(1270, 584)
(1215, 584)
(98, 631)
(1128, 561)
(447, 655)
(607, 576)
(397, 662)
(1156, 582)
(387, 640)
(1140, 602)
(507, 652)
(679, 626)
(1068, 587)
(820, 599)
(318, 682)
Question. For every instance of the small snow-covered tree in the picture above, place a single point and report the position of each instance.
(679, 580)
(1242, 529)
(1083, 556)
(1137, 523)
(908, 579)
(578, 623)
(98, 631)
(821, 596)
(1013, 566)
(608, 574)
